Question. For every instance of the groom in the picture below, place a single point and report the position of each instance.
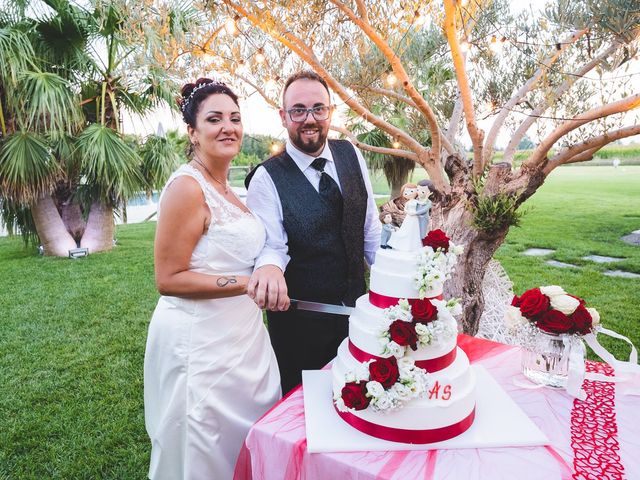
(316, 203)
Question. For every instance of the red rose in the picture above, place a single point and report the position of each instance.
(515, 301)
(385, 371)
(436, 239)
(533, 302)
(404, 334)
(554, 321)
(582, 321)
(354, 395)
(423, 311)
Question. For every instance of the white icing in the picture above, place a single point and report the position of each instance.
(394, 274)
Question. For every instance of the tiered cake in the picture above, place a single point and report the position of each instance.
(400, 375)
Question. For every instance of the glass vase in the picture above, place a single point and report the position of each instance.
(545, 359)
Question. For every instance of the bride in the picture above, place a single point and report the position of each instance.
(407, 238)
(209, 369)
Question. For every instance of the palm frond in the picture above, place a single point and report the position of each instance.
(27, 167)
(15, 51)
(160, 157)
(17, 220)
(109, 164)
(48, 102)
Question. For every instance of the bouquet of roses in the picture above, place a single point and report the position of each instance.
(436, 260)
(552, 310)
(419, 322)
(384, 384)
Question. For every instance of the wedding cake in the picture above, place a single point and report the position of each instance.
(400, 375)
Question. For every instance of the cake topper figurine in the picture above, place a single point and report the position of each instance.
(387, 229)
(424, 205)
(407, 238)
(395, 206)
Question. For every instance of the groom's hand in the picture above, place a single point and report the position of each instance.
(268, 288)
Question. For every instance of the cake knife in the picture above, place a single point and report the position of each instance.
(320, 307)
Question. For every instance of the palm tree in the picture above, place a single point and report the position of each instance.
(66, 75)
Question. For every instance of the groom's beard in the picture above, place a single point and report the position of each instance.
(310, 145)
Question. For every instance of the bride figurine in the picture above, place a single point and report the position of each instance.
(407, 238)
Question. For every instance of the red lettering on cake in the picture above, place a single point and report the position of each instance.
(446, 392)
(435, 394)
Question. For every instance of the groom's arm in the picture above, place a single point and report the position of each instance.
(267, 286)
(372, 225)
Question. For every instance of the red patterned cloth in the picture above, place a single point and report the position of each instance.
(594, 430)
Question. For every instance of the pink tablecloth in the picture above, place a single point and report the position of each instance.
(595, 439)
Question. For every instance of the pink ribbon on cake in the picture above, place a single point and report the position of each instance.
(408, 436)
(382, 301)
(430, 365)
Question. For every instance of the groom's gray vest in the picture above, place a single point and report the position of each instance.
(326, 249)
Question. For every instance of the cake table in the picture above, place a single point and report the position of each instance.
(595, 439)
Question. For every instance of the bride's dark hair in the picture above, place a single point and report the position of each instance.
(193, 94)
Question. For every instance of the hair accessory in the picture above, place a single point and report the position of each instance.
(186, 101)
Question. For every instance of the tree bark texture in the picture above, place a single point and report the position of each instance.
(98, 236)
(53, 234)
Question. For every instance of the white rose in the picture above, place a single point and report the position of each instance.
(402, 391)
(564, 303)
(595, 316)
(552, 290)
(395, 349)
(421, 329)
(513, 317)
(383, 402)
(375, 389)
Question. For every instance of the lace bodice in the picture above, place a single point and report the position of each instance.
(234, 238)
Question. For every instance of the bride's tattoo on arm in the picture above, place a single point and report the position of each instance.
(224, 281)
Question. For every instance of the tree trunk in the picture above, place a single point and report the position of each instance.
(53, 234)
(98, 236)
(72, 217)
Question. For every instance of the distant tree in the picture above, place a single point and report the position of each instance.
(526, 144)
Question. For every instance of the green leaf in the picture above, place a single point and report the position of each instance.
(27, 167)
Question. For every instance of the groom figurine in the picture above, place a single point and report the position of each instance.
(424, 205)
(316, 203)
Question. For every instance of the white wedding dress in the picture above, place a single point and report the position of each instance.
(209, 369)
(407, 237)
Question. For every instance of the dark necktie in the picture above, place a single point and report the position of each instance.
(328, 189)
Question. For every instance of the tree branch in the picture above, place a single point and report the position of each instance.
(568, 155)
(298, 46)
(463, 83)
(557, 93)
(261, 91)
(370, 148)
(526, 88)
(387, 93)
(624, 105)
(403, 77)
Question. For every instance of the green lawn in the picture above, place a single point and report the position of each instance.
(73, 332)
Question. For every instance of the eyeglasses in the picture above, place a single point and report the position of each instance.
(299, 114)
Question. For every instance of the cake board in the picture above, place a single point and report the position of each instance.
(499, 421)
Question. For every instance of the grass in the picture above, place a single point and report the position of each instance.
(73, 332)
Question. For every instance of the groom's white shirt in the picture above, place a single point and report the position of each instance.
(263, 200)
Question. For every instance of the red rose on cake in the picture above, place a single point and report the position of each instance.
(423, 311)
(436, 239)
(385, 371)
(404, 334)
(552, 310)
(354, 395)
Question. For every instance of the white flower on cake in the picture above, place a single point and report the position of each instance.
(419, 323)
(388, 385)
(436, 261)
